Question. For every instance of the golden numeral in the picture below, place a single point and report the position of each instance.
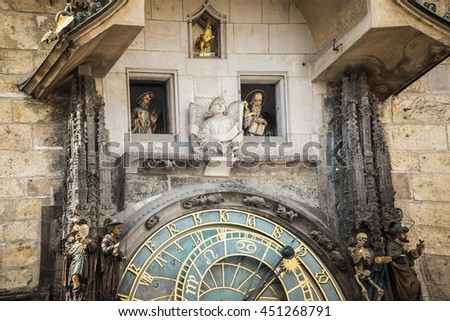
(277, 232)
(134, 269)
(150, 246)
(197, 219)
(198, 237)
(160, 260)
(224, 216)
(146, 279)
(180, 248)
(251, 220)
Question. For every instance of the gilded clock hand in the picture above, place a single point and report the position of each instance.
(287, 252)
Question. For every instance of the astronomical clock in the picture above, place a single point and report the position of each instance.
(225, 255)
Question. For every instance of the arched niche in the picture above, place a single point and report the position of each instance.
(207, 24)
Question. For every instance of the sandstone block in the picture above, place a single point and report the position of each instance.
(43, 6)
(421, 109)
(20, 254)
(167, 10)
(431, 187)
(245, 11)
(12, 187)
(5, 208)
(33, 163)
(8, 85)
(419, 86)
(411, 137)
(32, 111)
(48, 136)
(251, 38)
(439, 79)
(43, 187)
(275, 11)
(21, 230)
(438, 266)
(162, 35)
(433, 214)
(290, 38)
(5, 111)
(26, 209)
(385, 111)
(404, 161)
(16, 62)
(23, 278)
(18, 31)
(401, 186)
(4, 4)
(15, 137)
(437, 241)
(435, 162)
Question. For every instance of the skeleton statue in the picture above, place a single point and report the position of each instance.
(218, 131)
(363, 259)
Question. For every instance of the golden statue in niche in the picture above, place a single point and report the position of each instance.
(204, 40)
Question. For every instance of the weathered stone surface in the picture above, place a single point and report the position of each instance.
(404, 161)
(21, 230)
(26, 209)
(139, 188)
(32, 111)
(431, 187)
(12, 187)
(385, 111)
(435, 162)
(162, 35)
(290, 38)
(275, 11)
(16, 62)
(25, 278)
(435, 214)
(8, 85)
(419, 86)
(43, 6)
(5, 111)
(439, 79)
(251, 38)
(43, 186)
(5, 208)
(245, 11)
(15, 137)
(4, 4)
(438, 267)
(167, 10)
(420, 110)
(34, 163)
(401, 186)
(20, 254)
(48, 136)
(16, 35)
(437, 241)
(411, 137)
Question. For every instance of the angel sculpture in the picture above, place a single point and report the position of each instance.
(218, 131)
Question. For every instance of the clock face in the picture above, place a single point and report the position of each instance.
(225, 255)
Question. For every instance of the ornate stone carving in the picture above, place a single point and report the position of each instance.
(204, 200)
(255, 201)
(329, 246)
(151, 222)
(286, 214)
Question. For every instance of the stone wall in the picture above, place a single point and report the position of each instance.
(417, 130)
(31, 144)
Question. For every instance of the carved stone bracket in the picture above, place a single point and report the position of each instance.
(255, 201)
(286, 214)
(209, 199)
(151, 222)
